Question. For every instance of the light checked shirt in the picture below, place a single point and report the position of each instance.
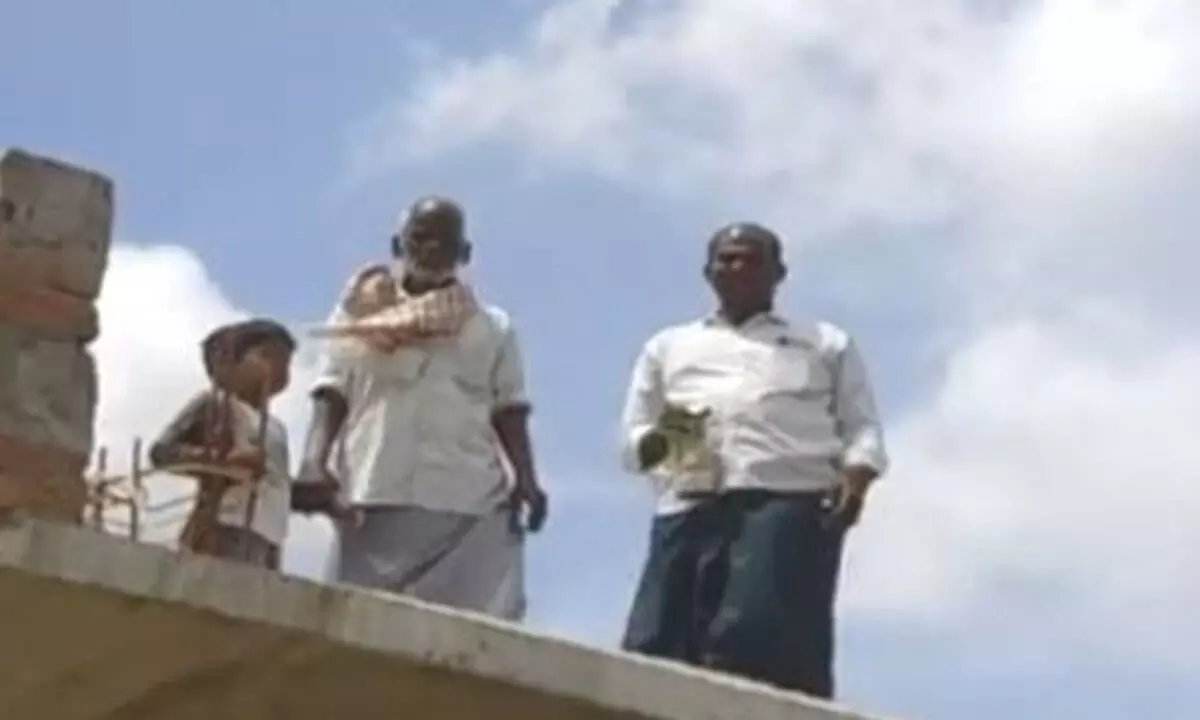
(790, 403)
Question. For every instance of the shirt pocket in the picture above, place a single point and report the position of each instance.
(799, 372)
(405, 367)
(797, 411)
(471, 370)
(467, 363)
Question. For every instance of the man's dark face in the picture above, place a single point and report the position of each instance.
(743, 270)
(432, 239)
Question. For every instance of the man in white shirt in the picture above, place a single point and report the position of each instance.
(762, 438)
(425, 409)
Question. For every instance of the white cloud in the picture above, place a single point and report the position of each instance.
(1048, 453)
(824, 113)
(1059, 137)
(841, 110)
(157, 304)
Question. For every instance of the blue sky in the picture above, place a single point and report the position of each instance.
(277, 146)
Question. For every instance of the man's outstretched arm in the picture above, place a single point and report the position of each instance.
(510, 420)
(315, 490)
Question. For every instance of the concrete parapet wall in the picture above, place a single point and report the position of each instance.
(104, 629)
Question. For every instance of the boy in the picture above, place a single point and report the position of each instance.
(236, 450)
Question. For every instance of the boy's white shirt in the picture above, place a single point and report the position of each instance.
(272, 507)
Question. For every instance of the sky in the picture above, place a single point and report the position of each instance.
(998, 198)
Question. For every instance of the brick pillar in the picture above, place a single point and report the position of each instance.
(55, 232)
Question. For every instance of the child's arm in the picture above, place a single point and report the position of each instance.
(182, 441)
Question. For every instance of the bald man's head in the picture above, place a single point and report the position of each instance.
(747, 232)
(432, 234)
(744, 267)
(437, 213)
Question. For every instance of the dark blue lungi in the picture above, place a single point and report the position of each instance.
(744, 583)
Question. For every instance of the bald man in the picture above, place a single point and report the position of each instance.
(429, 419)
(761, 435)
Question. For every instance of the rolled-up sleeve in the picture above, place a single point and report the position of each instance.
(856, 414)
(334, 377)
(508, 372)
(644, 403)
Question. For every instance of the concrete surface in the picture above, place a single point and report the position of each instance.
(98, 628)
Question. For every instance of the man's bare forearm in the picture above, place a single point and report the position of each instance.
(512, 430)
(329, 414)
(313, 492)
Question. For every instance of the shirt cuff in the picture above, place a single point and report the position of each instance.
(505, 401)
(328, 381)
(866, 456)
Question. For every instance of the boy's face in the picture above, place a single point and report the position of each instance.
(268, 366)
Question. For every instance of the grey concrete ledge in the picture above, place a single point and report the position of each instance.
(99, 627)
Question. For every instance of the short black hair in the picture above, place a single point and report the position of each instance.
(749, 231)
(230, 343)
